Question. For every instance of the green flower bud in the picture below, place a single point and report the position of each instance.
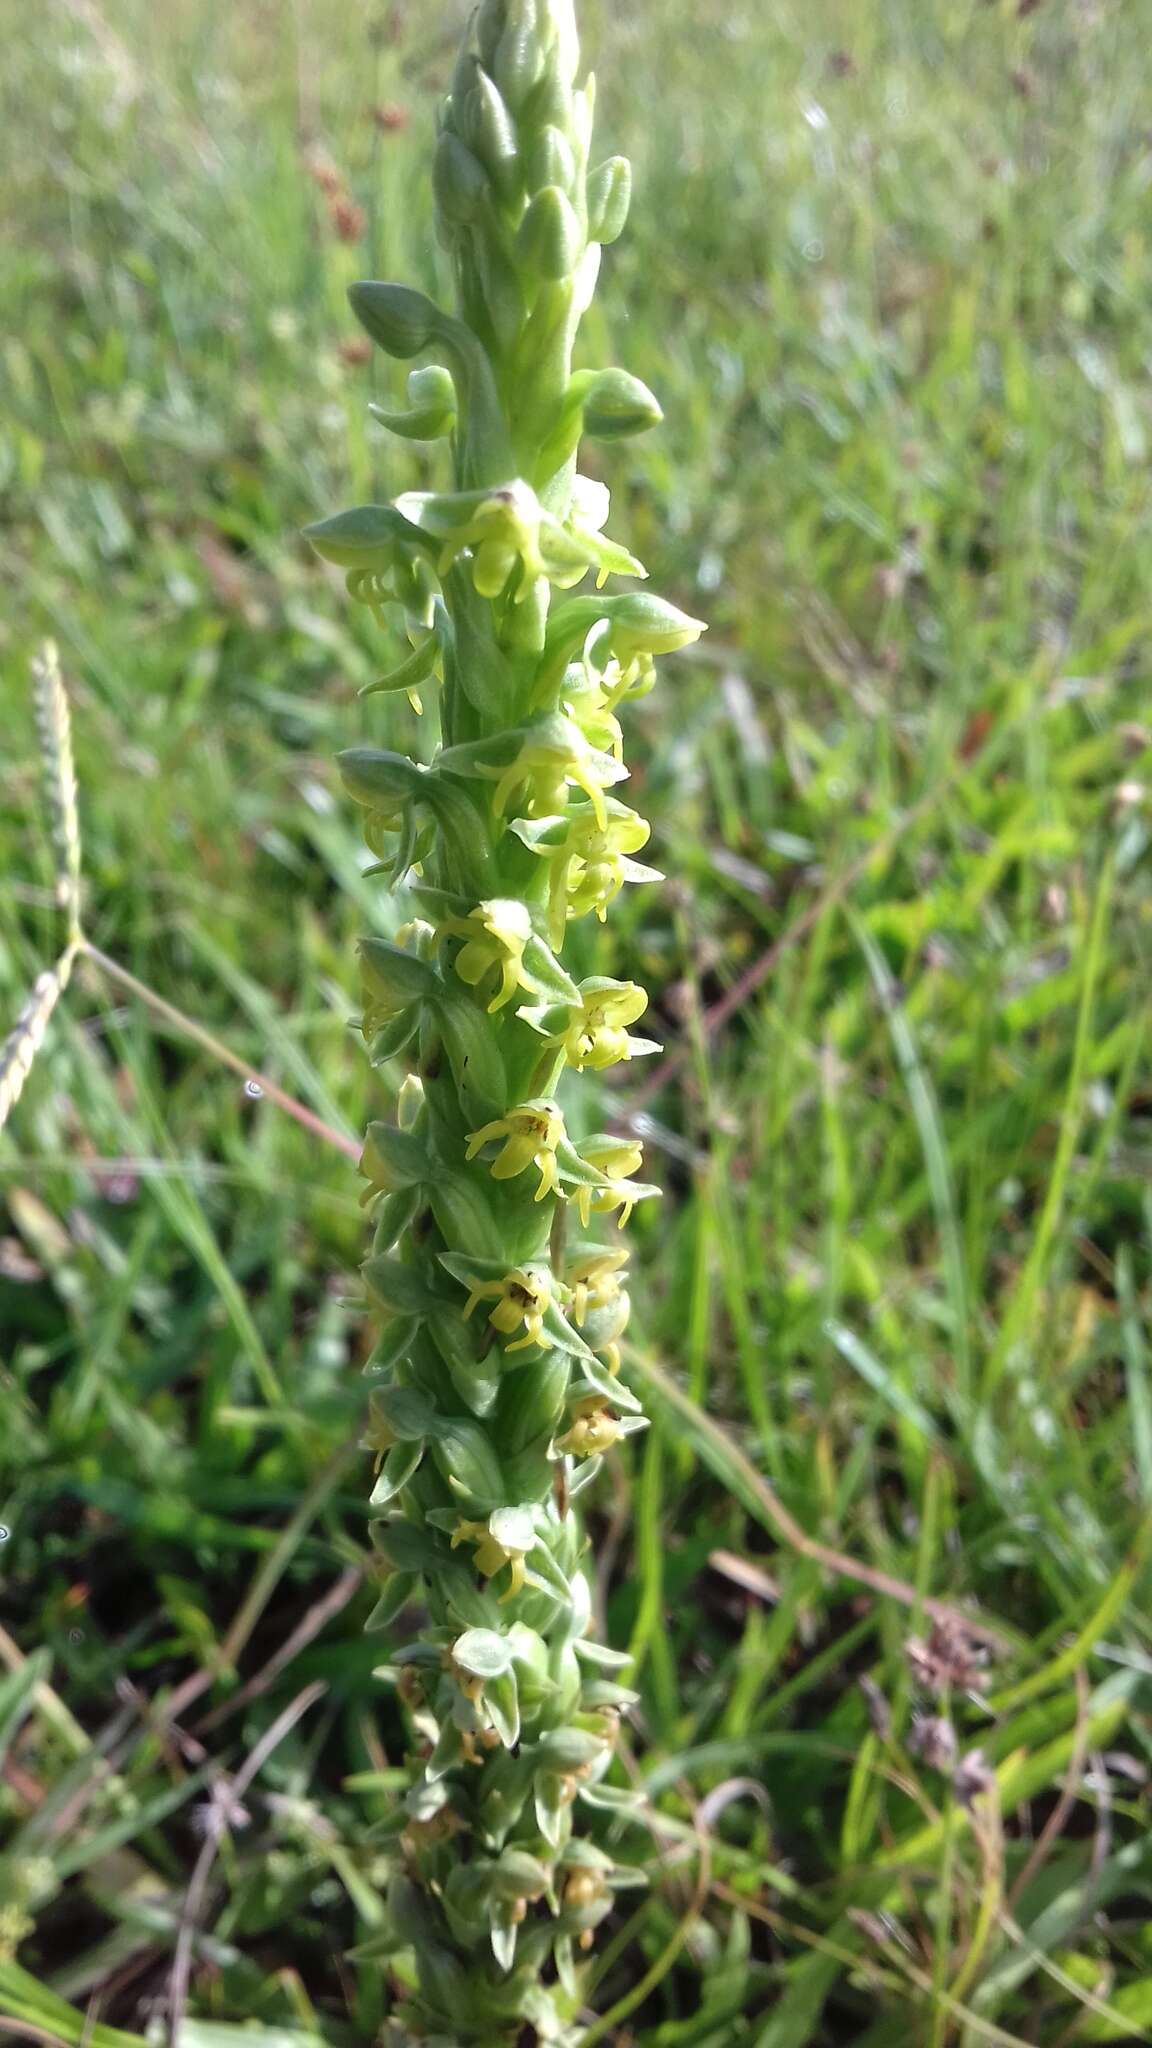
(402, 321)
(617, 404)
(482, 1652)
(459, 180)
(368, 537)
(376, 778)
(548, 240)
(609, 197)
(491, 132)
(431, 409)
(549, 160)
(518, 58)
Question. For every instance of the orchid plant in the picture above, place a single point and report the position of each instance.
(496, 1266)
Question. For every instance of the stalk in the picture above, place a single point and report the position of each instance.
(496, 1266)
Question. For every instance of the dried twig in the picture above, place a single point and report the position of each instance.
(788, 1528)
(227, 1797)
(746, 984)
(318, 1616)
(1069, 1794)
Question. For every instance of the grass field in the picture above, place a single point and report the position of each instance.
(890, 274)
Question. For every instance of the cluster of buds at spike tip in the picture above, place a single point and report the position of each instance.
(496, 1265)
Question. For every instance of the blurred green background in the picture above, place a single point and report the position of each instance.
(889, 271)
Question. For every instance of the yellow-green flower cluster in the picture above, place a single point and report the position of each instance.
(496, 1265)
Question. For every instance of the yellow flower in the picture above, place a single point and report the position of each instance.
(592, 1428)
(617, 1159)
(512, 540)
(597, 684)
(590, 862)
(552, 758)
(596, 1034)
(499, 527)
(496, 933)
(531, 1132)
(595, 1282)
(522, 1297)
(504, 1539)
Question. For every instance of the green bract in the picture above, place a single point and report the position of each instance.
(496, 1266)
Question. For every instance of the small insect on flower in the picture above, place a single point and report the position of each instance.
(523, 1298)
(531, 1132)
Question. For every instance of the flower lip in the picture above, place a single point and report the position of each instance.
(531, 1132)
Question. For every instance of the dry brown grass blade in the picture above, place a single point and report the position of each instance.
(788, 1528)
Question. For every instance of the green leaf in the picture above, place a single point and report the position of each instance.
(393, 1344)
(531, 1402)
(408, 1412)
(459, 180)
(397, 1287)
(464, 1454)
(397, 1592)
(474, 1056)
(407, 1548)
(394, 974)
(397, 1469)
(502, 1699)
(404, 1157)
(18, 1695)
(393, 1037)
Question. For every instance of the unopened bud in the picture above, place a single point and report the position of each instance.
(458, 179)
(402, 321)
(491, 133)
(618, 404)
(366, 537)
(549, 238)
(431, 409)
(650, 625)
(374, 777)
(518, 59)
(549, 161)
(609, 196)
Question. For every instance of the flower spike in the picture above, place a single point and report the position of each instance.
(497, 1383)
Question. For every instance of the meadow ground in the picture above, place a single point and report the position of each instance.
(890, 274)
